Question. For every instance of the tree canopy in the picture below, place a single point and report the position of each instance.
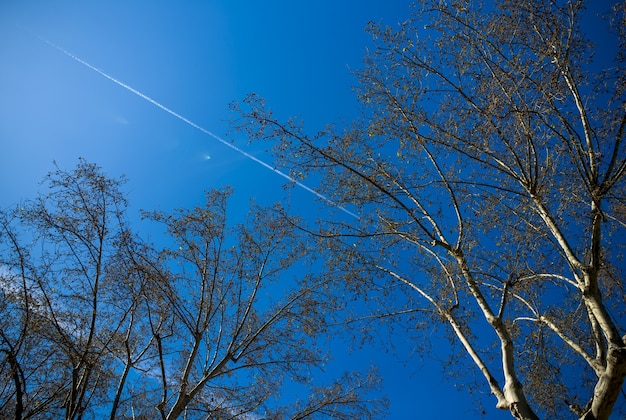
(488, 172)
(96, 322)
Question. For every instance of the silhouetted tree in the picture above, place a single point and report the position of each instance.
(61, 296)
(95, 322)
(235, 311)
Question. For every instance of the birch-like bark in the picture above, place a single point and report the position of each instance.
(514, 395)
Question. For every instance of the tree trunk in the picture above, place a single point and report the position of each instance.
(609, 385)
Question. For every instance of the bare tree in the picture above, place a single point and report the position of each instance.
(15, 312)
(240, 325)
(68, 307)
(95, 322)
(488, 173)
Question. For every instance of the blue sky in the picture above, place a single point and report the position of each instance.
(193, 57)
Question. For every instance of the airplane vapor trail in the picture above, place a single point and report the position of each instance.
(202, 129)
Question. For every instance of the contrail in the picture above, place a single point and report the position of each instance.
(202, 129)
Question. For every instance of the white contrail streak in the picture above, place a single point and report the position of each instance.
(202, 129)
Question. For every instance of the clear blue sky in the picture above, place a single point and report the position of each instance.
(193, 57)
